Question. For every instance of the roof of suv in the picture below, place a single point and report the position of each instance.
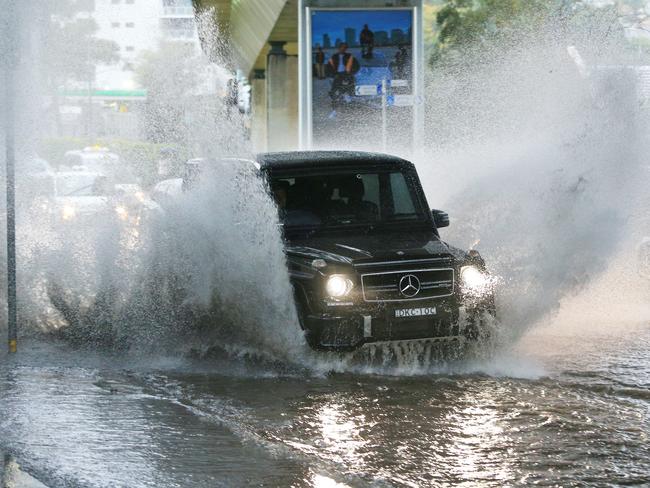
(307, 159)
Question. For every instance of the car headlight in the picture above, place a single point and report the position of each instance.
(121, 212)
(68, 212)
(474, 280)
(338, 286)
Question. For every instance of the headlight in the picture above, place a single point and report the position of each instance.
(68, 212)
(338, 286)
(474, 280)
(121, 212)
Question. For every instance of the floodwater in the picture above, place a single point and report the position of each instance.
(537, 164)
(568, 405)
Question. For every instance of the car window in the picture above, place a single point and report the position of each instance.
(402, 201)
(81, 185)
(345, 198)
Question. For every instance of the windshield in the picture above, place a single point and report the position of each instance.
(80, 185)
(346, 198)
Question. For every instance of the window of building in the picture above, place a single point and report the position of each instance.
(178, 28)
(182, 8)
(129, 24)
(129, 48)
(115, 2)
(131, 2)
(115, 25)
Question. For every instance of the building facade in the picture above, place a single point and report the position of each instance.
(137, 26)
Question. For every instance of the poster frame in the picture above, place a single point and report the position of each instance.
(305, 9)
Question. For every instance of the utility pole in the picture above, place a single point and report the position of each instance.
(384, 116)
(10, 139)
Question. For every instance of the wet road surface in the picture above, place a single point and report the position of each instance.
(564, 407)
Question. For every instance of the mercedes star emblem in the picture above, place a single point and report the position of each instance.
(409, 286)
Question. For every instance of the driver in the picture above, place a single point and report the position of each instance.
(280, 194)
(363, 209)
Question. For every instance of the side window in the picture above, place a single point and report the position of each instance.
(371, 188)
(402, 198)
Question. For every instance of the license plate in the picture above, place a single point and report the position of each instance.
(415, 312)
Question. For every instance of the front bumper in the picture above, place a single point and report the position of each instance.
(349, 329)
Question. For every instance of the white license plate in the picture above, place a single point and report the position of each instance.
(415, 312)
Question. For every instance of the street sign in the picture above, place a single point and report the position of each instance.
(367, 90)
(399, 83)
(402, 100)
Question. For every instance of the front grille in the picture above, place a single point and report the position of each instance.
(385, 287)
(403, 264)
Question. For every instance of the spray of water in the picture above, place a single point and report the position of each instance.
(539, 159)
(534, 158)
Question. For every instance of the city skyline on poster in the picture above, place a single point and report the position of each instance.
(389, 27)
(354, 54)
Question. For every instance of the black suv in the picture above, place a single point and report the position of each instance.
(364, 254)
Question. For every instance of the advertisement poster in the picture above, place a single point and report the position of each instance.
(362, 78)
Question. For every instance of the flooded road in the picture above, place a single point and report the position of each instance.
(542, 165)
(565, 406)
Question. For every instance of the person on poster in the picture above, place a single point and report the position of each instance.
(401, 64)
(367, 41)
(344, 66)
(319, 61)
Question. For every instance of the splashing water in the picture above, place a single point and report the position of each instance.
(536, 163)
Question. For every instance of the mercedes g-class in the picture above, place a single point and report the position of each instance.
(364, 252)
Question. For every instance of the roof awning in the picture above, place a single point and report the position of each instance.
(249, 24)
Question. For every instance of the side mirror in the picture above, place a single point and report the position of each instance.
(440, 218)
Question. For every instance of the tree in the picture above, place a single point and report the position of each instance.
(72, 48)
(467, 27)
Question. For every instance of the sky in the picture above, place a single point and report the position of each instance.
(334, 22)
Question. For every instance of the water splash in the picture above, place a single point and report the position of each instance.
(535, 161)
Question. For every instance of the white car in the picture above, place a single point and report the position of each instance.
(81, 195)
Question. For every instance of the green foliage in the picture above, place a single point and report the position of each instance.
(140, 157)
(484, 26)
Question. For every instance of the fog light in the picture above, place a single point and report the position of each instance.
(474, 280)
(338, 286)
